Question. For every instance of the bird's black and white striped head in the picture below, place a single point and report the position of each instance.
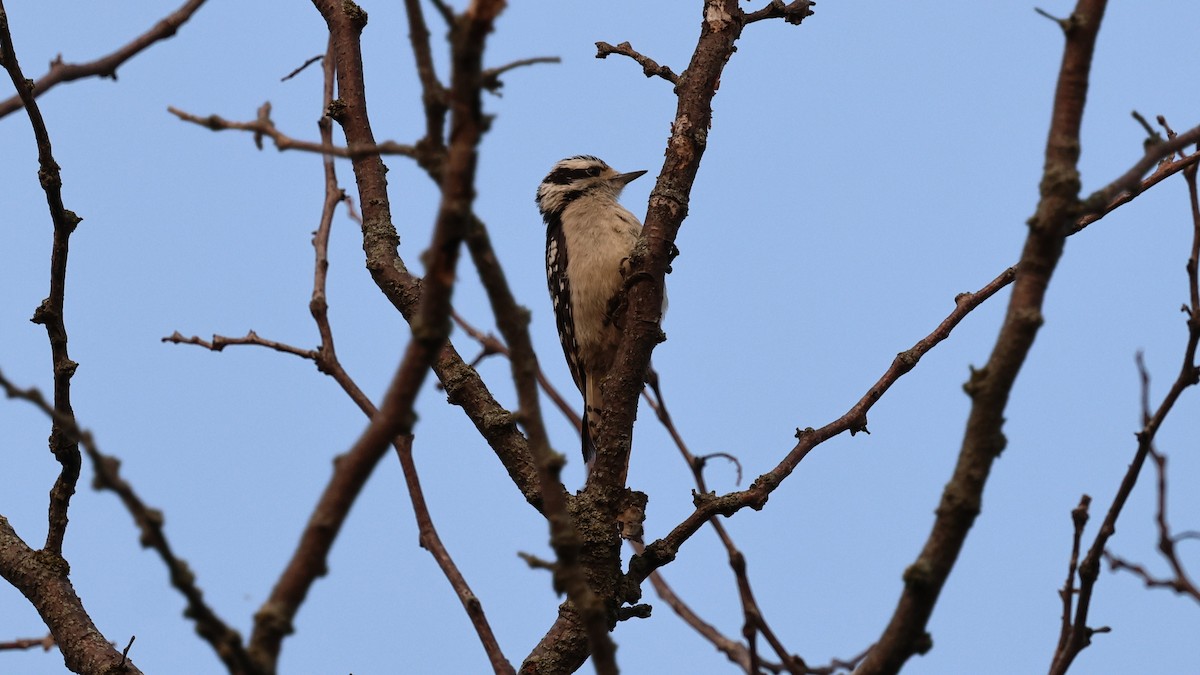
(582, 176)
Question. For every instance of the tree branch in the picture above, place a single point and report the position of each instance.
(1179, 582)
(50, 312)
(792, 12)
(426, 307)
(1189, 375)
(431, 542)
(28, 643)
(43, 579)
(263, 126)
(106, 66)
(649, 66)
(225, 641)
(989, 387)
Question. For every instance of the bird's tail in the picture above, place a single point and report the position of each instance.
(591, 420)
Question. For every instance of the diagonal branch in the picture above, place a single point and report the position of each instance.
(44, 581)
(106, 66)
(663, 551)
(989, 387)
(433, 543)
(650, 67)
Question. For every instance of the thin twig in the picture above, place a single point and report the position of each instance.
(226, 642)
(125, 654)
(299, 69)
(1079, 518)
(491, 76)
(1180, 582)
(431, 542)
(220, 342)
(433, 92)
(263, 126)
(46, 643)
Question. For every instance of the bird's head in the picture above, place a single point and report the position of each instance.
(580, 176)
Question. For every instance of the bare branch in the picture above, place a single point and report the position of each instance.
(226, 642)
(263, 126)
(299, 69)
(1079, 518)
(433, 92)
(106, 66)
(425, 306)
(649, 66)
(1057, 210)
(792, 12)
(431, 542)
(220, 342)
(1180, 581)
(491, 76)
(1189, 375)
(44, 580)
(1163, 171)
(492, 345)
(50, 312)
(663, 551)
(28, 643)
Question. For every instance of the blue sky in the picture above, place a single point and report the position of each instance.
(863, 168)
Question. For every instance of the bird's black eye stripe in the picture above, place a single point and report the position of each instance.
(564, 176)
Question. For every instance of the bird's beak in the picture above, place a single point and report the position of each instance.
(627, 178)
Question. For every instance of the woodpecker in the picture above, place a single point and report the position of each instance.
(589, 238)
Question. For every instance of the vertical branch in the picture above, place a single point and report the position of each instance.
(719, 31)
(595, 510)
(318, 306)
(50, 313)
(989, 387)
(431, 148)
(1079, 518)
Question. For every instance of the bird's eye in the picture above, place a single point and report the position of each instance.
(593, 171)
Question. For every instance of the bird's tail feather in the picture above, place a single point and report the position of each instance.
(591, 420)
